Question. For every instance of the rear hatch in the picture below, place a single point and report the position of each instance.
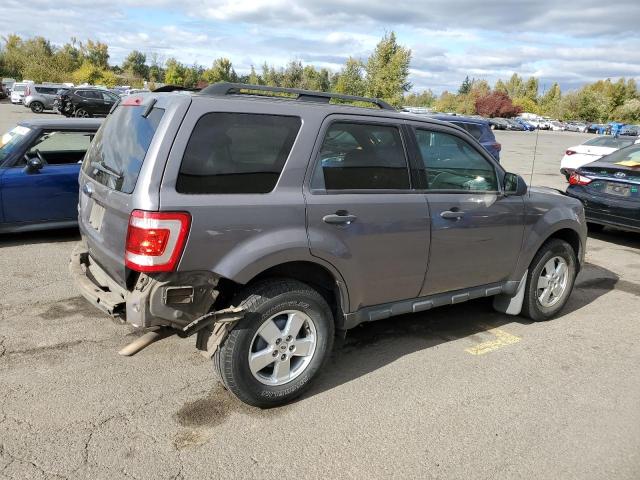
(122, 171)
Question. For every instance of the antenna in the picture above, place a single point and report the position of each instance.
(533, 164)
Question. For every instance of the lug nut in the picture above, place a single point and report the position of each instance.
(289, 338)
(291, 348)
(278, 341)
(283, 357)
(275, 353)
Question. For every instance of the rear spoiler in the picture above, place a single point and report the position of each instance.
(174, 88)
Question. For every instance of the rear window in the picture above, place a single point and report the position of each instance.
(19, 88)
(116, 154)
(236, 153)
(611, 142)
(473, 128)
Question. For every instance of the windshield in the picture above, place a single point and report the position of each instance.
(611, 142)
(11, 140)
(116, 154)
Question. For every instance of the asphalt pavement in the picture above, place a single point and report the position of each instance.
(458, 392)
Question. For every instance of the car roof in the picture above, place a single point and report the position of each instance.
(62, 123)
(459, 118)
(302, 105)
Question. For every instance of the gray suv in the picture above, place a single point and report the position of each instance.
(41, 97)
(266, 221)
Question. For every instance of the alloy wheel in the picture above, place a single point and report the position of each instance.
(282, 348)
(552, 282)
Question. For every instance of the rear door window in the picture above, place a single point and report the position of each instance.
(236, 153)
(117, 152)
(359, 156)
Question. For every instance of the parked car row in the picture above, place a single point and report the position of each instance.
(591, 150)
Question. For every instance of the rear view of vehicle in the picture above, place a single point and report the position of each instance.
(590, 151)
(17, 92)
(609, 189)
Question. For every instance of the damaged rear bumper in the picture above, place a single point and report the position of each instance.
(172, 299)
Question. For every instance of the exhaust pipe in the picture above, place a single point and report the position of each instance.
(152, 336)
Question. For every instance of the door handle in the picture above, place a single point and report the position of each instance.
(452, 214)
(339, 218)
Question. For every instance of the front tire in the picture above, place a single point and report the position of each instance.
(278, 347)
(550, 280)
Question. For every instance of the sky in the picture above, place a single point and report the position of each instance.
(571, 42)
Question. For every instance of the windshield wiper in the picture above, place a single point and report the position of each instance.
(105, 169)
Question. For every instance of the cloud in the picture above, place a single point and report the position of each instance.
(573, 42)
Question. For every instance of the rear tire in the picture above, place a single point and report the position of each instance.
(36, 107)
(277, 349)
(82, 113)
(550, 280)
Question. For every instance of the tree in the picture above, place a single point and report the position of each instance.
(448, 102)
(526, 104)
(221, 71)
(174, 72)
(254, 78)
(424, 99)
(629, 111)
(87, 73)
(136, 64)
(350, 80)
(465, 87)
(96, 53)
(156, 72)
(497, 104)
(387, 70)
(550, 101)
(531, 89)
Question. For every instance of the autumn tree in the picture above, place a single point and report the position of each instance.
(497, 104)
(387, 70)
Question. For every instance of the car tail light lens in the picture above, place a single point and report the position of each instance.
(569, 152)
(497, 146)
(155, 240)
(27, 91)
(577, 179)
(131, 101)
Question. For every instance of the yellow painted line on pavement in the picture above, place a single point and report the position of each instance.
(502, 339)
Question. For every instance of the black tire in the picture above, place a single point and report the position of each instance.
(82, 113)
(262, 301)
(595, 227)
(531, 307)
(36, 107)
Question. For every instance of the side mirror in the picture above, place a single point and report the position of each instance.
(33, 165)
(514, 185)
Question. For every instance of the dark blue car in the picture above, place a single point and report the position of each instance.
(39, 168)
(479, 128)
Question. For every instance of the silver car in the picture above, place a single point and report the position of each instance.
(40, 97)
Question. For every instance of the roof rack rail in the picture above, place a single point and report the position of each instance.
(226, 88)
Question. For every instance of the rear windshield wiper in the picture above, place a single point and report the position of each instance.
(106, 169)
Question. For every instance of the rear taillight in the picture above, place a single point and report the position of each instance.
(131, 101)
(577, 179)
(497, 146)
(155, 240)
(569, 152)
(27, 91)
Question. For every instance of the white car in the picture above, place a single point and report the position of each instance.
(17, 92)
(557, 126)
(592, 150)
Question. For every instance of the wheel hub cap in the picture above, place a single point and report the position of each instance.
(552, 282)
(282, 348)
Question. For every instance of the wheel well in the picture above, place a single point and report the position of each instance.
(571, 237)
(310, 273)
